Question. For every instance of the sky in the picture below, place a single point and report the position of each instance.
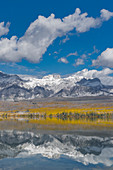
(55, 37)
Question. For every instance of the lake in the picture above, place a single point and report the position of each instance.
(49, 144)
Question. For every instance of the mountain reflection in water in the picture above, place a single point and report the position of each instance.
(44, 143)
(83, 149)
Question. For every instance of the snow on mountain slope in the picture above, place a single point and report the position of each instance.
(82, 83)
(90, 82)
(55, 82)
(6, 80)
(103, 75)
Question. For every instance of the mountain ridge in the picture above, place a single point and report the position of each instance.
(15, 87)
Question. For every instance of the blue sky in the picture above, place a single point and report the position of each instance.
(51, 46)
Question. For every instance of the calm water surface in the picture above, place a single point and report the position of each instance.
(40, 144)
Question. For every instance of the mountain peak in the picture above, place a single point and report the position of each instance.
(12, 87)
(90, 82)
(52, 76)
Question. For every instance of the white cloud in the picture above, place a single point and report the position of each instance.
(63, 60)
(94, 51)
(105, 59)
(8, 49)
(103, 75)
(79, 61)
(94, 73)
(83, 56)
(72, 54)
(82, 23)
(43, 31)
(106, 15)
(4, 29)
(56, 52)
(65, 40)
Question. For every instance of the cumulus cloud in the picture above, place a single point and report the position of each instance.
(105, 59)
(4, 29)
(83, 56)
(43, 31)
(79, 61)
(8, 49)
(94, 73)
(63, 60)
(103, 75)
(106, 15)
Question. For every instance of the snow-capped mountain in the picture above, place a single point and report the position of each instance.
(83, 149)
(82, 83)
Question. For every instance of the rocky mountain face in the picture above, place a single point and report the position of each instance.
(14, 87)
